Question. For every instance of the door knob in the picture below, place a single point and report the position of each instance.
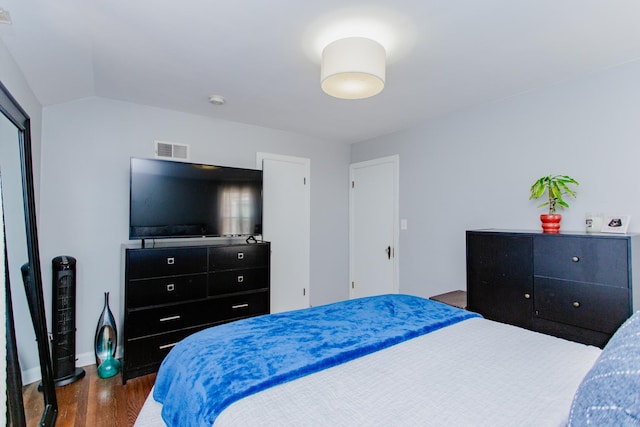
(388, 250)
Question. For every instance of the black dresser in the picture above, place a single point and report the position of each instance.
(172, 292)
(575, 286)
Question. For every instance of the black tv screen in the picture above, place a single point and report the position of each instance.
(175, 199)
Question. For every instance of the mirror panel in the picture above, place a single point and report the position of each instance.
(12, 200)
(21, 255)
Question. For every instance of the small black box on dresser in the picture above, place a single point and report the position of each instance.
(171, 292)
(573, 285)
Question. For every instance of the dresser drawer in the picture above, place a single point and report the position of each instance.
(595, 307)
(152, 350)
(230, 281)
(158, 320)
(168, 318)
(239, 306)
(166, 290)
(146, 263)
(594, 260)
(240, 256)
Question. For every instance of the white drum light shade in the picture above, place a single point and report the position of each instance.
(353, 68)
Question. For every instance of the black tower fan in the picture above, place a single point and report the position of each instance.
(63, 324)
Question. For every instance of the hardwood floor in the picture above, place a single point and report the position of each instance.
(92, 401)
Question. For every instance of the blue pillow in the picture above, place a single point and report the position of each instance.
(609, 394)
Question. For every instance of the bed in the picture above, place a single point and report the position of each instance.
(402, 360)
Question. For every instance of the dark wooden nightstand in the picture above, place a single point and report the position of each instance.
(454, 298)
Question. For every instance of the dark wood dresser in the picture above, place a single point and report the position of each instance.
(172, 292)
(575, 286)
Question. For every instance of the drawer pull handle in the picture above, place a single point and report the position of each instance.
(162, 347)
(527, 296)
(576, 304)
(167, 319)
(575, 259)
(240, 279)
(171, 287)
(235, 307)
(240, 255)
(171, 261)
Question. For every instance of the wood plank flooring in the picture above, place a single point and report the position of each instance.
(92, 401)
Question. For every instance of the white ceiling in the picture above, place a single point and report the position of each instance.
(263, 56)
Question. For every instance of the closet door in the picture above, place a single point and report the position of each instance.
(373, 227)
(286, 224)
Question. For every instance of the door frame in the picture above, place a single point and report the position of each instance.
(395, 161)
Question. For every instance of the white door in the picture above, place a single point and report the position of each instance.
(373, 228)
(286, 224)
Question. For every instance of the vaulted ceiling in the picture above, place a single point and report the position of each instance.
(263, 56)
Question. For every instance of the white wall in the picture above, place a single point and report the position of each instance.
(85, 192)
(12, 78)
(473, 169)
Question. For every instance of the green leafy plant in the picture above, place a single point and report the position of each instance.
(555, 186)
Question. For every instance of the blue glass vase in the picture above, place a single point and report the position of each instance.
(110, 366)
(106, 340)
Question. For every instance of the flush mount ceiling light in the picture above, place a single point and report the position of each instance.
(353, 68)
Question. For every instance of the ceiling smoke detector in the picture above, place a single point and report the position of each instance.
(217, 100)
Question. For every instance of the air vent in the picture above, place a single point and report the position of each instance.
(171, 150)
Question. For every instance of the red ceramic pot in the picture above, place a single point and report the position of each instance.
(550, 223)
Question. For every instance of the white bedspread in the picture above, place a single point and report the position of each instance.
(474, 373)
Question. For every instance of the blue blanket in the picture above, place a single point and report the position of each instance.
(211, 369)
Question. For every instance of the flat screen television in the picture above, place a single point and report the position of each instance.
(174, 200)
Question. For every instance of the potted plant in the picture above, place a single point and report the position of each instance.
(555, 187)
